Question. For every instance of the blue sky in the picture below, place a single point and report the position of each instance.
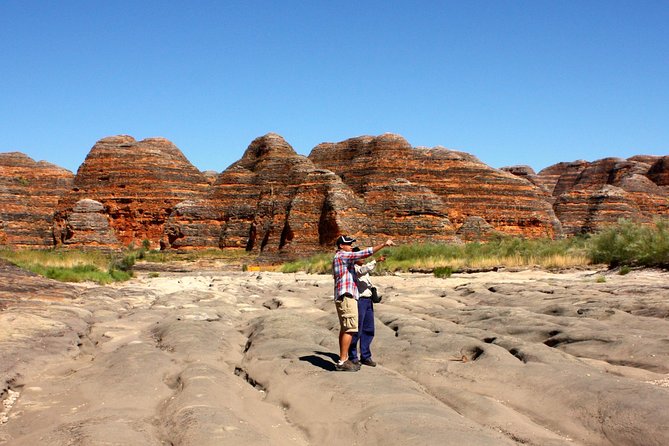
(511, 82)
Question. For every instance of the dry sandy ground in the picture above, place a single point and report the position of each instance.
(207, 356)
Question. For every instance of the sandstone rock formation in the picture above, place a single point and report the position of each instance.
(277, 202)
(591, 196)
(256, 193)
(659, 172)
(460, 186)
(138, 184)
(274, 199)
(530, 175)
(475, 229)
(586, 211)
(88, 226)
(193, 223)
(561, 177)
(29, 192)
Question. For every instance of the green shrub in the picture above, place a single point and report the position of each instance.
(79, 273)
(443, 272)
(120, 276)
(415, 251)
(316, 264)
(632, 244)
(125, 263)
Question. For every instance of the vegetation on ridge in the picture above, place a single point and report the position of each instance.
(625, 245)
(445, 258)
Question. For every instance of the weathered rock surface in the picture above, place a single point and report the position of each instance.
(88, 226)
(475, 229)
(560, 178)
(29, 192)
(138, 183)
(215, 356)
(659, 172)
(193, 224)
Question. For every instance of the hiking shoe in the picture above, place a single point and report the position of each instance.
(347, 366)
(368, 362)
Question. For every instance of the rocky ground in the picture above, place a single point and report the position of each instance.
(206, 355)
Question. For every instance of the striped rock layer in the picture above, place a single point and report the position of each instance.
(277, 202)
(590, 196)
(29, 193)
(137, 183)
(437, 189)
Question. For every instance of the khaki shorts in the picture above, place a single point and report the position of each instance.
(347, 311)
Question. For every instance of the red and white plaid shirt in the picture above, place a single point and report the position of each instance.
(343, 271)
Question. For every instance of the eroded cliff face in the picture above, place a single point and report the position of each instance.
(437, 190)
(272, 200)
(659, 173)
(277, 202)
(137, 183)
(29, 192)
(590, 196)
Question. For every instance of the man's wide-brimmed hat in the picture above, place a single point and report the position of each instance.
(344, 240)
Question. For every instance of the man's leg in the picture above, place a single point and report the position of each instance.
(353, 349)
(366, 330)
(344, 344)
(347, 310)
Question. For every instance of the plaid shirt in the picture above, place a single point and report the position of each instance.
(343, 271)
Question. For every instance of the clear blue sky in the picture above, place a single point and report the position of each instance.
(512, 82)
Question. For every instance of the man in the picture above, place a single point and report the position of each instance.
(346, 294)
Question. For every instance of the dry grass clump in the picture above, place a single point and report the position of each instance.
(232, 254)
(56, 258)
(73, 266)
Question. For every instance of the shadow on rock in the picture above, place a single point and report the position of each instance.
(323, 363)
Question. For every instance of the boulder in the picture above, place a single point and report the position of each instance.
(87, 226)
